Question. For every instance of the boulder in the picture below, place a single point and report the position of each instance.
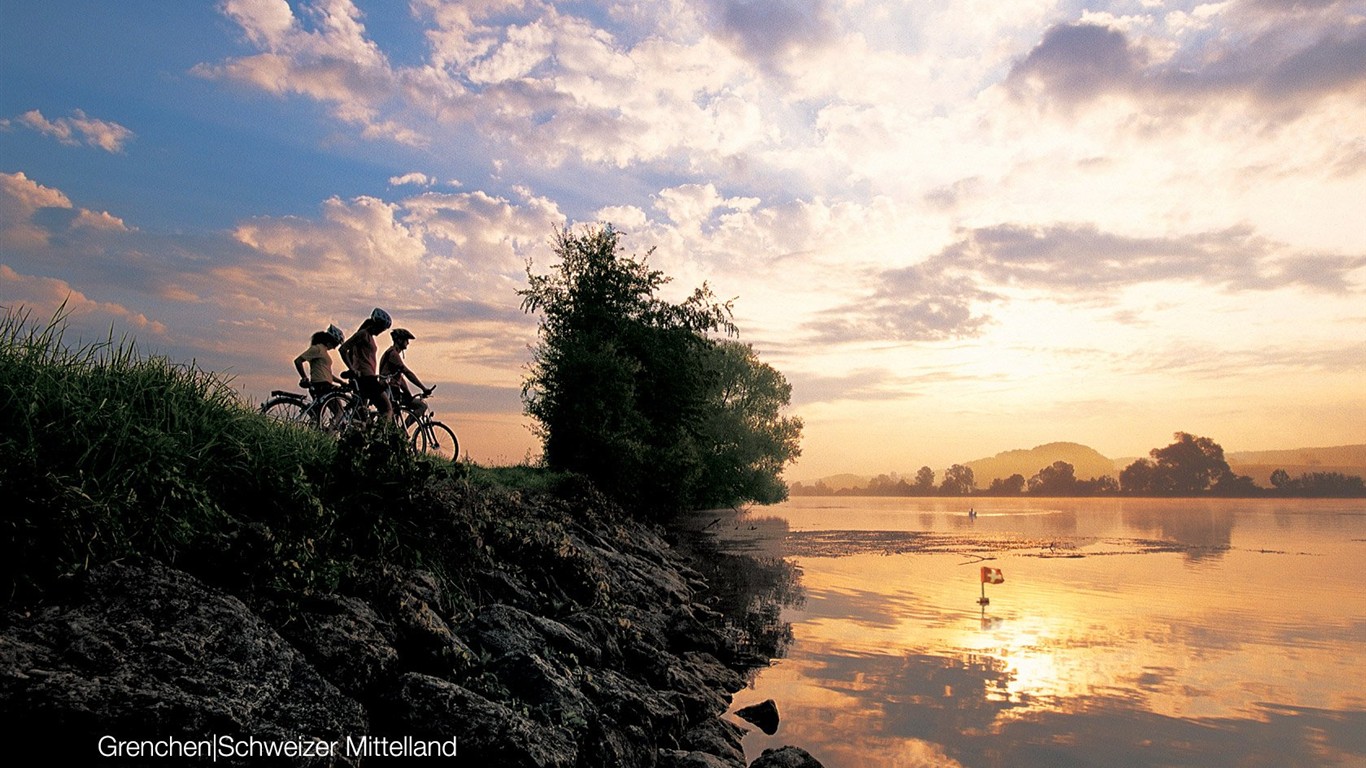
(147, 651)
(786, 757)
(488, 733)
(763, 714)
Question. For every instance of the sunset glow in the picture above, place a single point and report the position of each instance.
(1240, 621)
(957, 228)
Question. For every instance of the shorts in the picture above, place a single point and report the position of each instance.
(374, 392)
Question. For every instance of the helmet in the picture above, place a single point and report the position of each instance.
(381, 317)
(336, 333)
(402, 333)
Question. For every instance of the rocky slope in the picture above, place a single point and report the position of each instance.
(602, 650)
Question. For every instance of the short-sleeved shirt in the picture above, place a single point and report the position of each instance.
(392, 362)
(319, 361)
(361, 348)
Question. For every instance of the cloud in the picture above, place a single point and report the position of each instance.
(769, 31)
(323, 54)
(1277, 57)
(77, 129)
(32, 214)
(918, 303)
(1076, 63)
(947, 296)
(1079, 258)
(42, 297)
(414, 178)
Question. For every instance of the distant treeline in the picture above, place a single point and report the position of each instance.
(1190, 466)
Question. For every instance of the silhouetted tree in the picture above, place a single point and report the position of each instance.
(1137, 478)
(1324, 484)
(924, 481)
(958, 481)
(629, 390)
(1008, 486)
(1191, 465)
(1057, 479)
(1098, 485)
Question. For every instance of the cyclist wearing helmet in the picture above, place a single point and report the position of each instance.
(394, 369)
(359, 353)
(319, 379)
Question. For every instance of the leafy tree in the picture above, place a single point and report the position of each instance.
(747, 438)
(1190, 465)
(1323, 484)
(958, 481)
(924, 481)
(1098, 485)
(1056, 479)
(630, 390)
(1008, 486)
(1138, 477)
(1280, 479)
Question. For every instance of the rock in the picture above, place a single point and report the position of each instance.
(347, 641)
(488, 733)
(501, 629)
(547, 688)
(630, 704)
(763, 714)
(149, 651)
(678, 758)
(715, 674)
(716, 737)
(786, 757)
(411, 600)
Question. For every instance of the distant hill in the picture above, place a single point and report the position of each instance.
(1345, 459)
(1086, 461)
(1089, 463)
(836, 482)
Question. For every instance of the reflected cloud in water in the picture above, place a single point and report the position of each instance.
(1129, 634)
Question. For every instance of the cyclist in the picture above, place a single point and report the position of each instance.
(359, 353)
(319, 379)
(392, 368)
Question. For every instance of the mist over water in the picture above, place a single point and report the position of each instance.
(1127, 631)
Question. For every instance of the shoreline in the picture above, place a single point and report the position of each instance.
(615, 655)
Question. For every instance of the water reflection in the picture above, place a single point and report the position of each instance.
(1227, 633)
(1206, 529)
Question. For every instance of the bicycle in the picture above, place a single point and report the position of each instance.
(344, 408)
(305, 410)
(425, 433)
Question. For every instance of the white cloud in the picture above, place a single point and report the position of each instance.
(414, 177)
(31, 214)
(77, 129)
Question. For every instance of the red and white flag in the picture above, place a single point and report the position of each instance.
(992, 575)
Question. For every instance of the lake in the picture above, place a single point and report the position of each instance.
(1127, 632)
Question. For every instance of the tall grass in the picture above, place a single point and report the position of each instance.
(108, 453)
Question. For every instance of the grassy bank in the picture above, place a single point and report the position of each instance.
(109, 454)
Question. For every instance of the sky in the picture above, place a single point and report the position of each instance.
(957, 228)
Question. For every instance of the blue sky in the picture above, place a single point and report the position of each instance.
(958, 228)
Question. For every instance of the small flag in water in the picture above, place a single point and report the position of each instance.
(992, 575)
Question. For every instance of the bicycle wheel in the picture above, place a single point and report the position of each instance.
(286, 409)
(335, 412)
(436, 439)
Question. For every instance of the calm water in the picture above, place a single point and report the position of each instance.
(1126, 633)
